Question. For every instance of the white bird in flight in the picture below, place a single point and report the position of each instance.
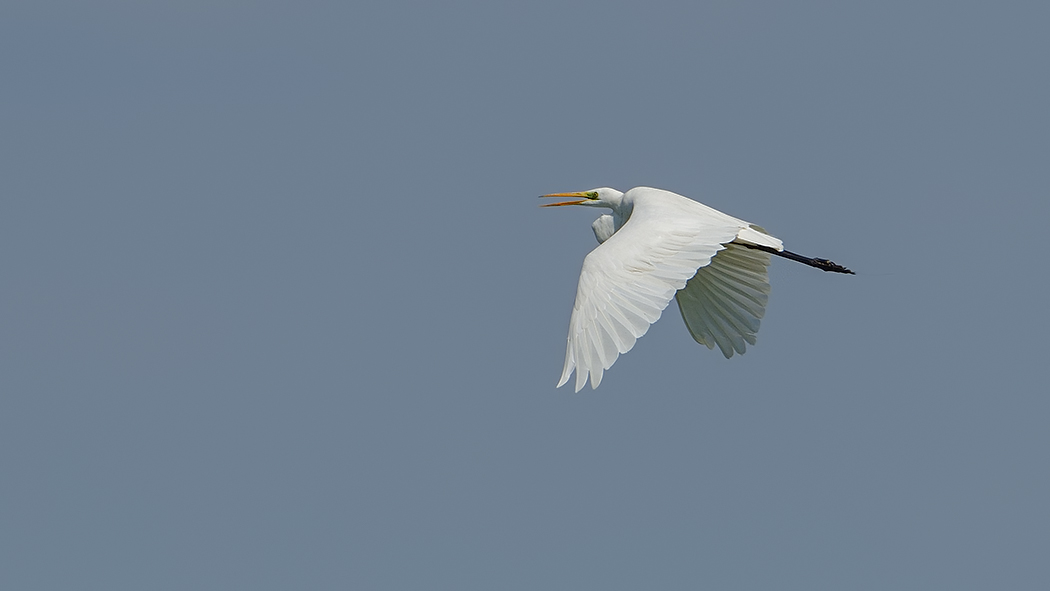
(659, 245)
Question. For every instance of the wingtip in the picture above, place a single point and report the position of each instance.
(596, 378)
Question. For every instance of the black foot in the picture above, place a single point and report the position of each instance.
(826, 265)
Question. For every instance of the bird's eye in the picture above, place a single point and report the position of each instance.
(592, 194)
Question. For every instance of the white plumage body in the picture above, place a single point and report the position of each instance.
(655, 246)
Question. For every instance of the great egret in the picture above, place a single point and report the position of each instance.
(657, 245)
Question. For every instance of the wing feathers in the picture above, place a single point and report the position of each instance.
(724, 302)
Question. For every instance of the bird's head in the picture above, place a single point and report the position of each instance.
(603, 197)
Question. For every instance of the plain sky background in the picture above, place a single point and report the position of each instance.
(278, 309)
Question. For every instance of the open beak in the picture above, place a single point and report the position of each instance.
(574, 202)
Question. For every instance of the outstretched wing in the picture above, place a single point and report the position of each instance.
(724, 302)
(630, 278)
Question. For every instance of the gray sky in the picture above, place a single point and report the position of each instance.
(279, 309)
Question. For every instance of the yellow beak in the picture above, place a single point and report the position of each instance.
(574, 202)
